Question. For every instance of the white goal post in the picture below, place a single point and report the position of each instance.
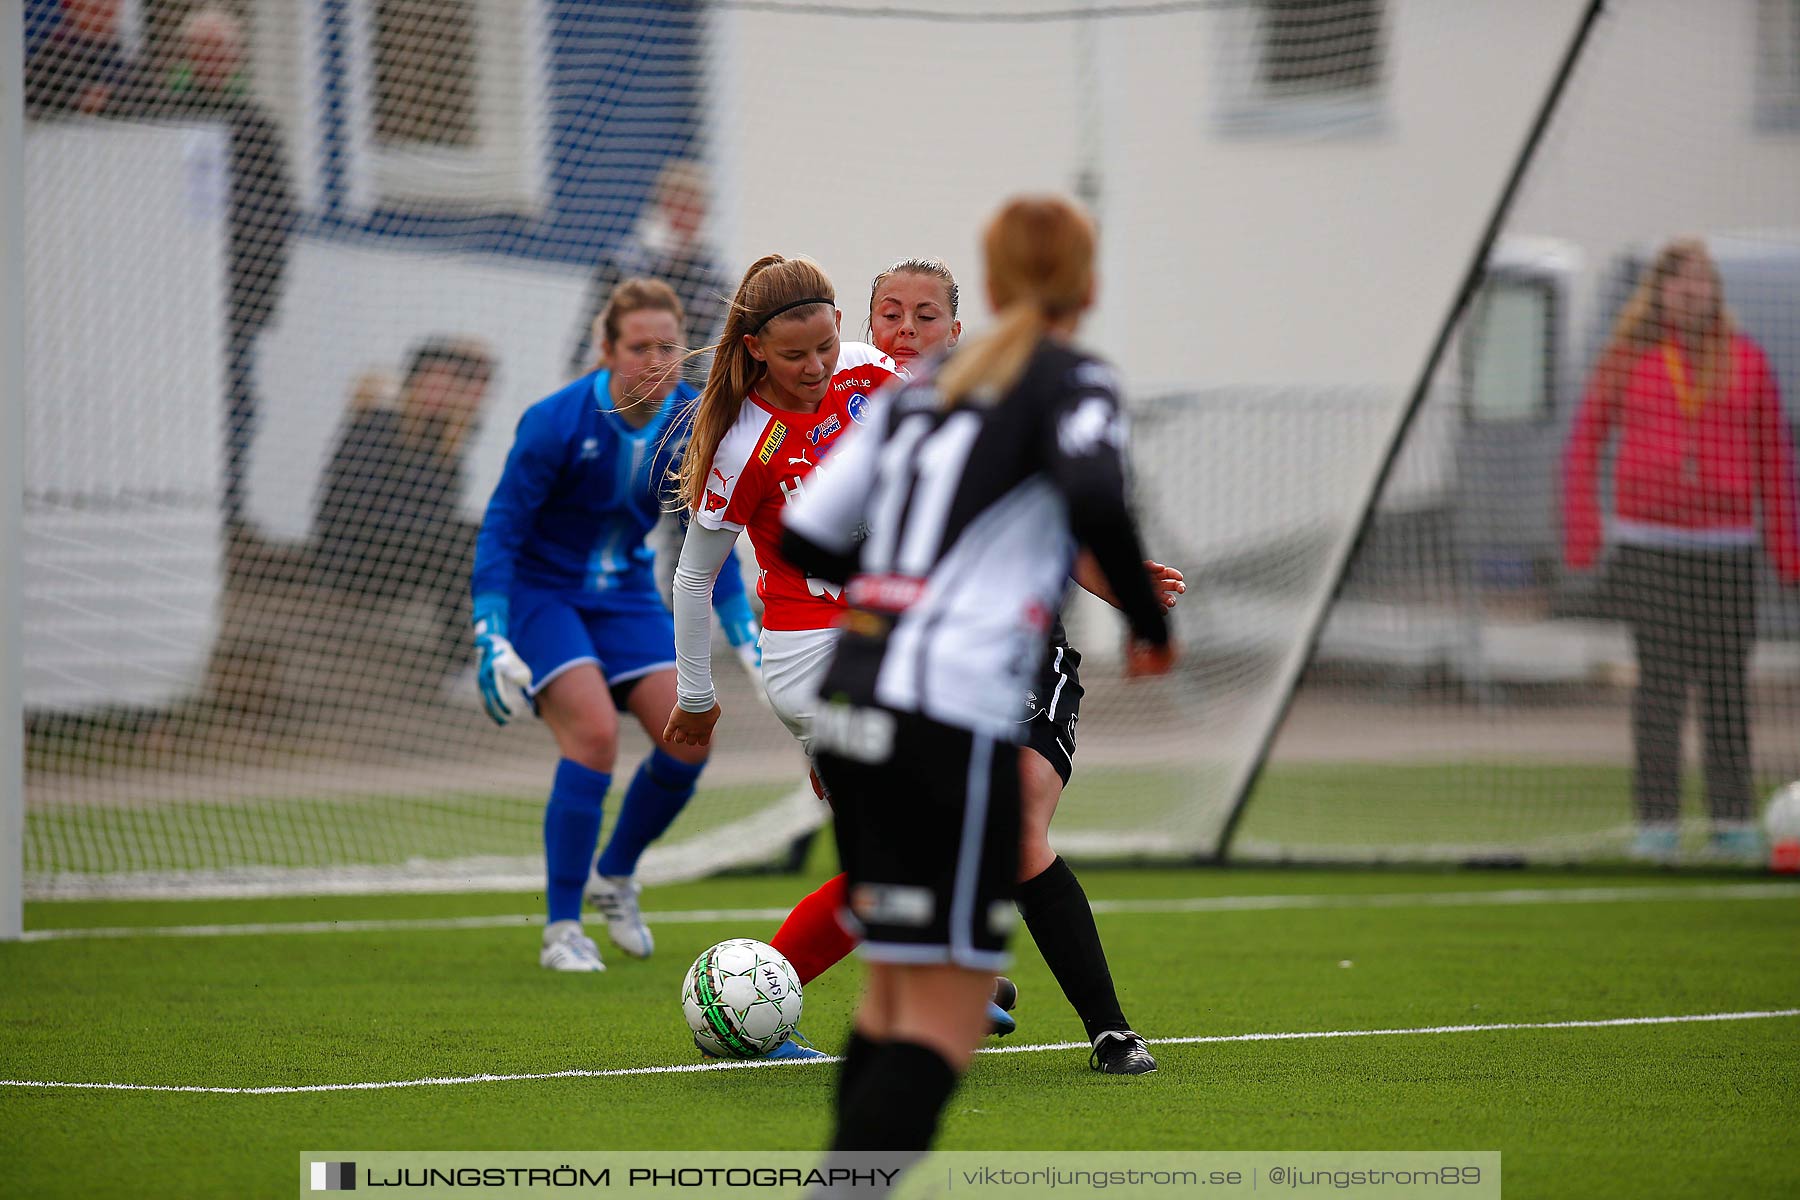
(12, 462)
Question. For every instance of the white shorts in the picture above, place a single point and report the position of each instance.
(794, 662)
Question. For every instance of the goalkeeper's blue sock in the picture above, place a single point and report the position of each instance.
(659, 791)
(571, 830)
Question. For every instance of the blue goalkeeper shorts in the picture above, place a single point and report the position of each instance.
(628, 635)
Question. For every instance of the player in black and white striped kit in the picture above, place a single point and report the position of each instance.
(987, 476)
(912, 319)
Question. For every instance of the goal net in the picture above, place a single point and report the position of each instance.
(1570, 630)
(295, 271)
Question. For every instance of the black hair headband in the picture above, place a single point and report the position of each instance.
(767, 317)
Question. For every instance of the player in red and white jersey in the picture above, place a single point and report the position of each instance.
(784, 388)
(762, 464)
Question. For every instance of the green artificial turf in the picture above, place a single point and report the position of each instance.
(1697, 1109)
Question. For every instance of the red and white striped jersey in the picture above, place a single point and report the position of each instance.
(761, 467)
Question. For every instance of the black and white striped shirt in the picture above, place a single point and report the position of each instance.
(973, 518)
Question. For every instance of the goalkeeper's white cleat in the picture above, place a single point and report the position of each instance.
(616, 898)
(566, 948)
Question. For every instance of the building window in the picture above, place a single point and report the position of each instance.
(1778, 65)
(1509, 351)
(1320, 47)
(447, 104)
(1302, 66)
(425, 73)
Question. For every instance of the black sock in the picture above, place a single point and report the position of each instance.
(1057, 913)
(857, 1055)
(897, 1101)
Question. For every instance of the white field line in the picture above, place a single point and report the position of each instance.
(1499, 1027)
(1197, 904)
(754, 1064)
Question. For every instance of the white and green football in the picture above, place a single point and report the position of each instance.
(741, 999)
(1781, 819)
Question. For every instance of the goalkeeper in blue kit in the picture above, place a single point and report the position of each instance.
(568, 618)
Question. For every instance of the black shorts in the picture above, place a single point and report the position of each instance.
(1052, 707)
(927, 820)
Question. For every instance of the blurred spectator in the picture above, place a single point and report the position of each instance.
(208, 83)
(1703, 458)
(82, 67)
(667, 245)
(388, 524)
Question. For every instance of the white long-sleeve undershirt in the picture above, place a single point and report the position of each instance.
(703, 552)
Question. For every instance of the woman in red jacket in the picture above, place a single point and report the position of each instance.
(1703, 471)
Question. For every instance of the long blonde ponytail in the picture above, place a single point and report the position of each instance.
(772, 283)
(984, 369)
(1040, 269)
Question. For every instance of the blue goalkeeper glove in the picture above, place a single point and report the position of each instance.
(499, 669)
(742, 631)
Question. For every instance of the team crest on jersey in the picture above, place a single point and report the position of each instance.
(858, 407)
(772, 443)
(1091, 424)
(824, 429)
(714, 501)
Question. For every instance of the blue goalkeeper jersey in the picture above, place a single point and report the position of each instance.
(580, 492)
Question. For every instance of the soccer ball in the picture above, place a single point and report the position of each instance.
(741, 999)
(1781, 819)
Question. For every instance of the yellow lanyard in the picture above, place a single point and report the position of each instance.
(1685, 396)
